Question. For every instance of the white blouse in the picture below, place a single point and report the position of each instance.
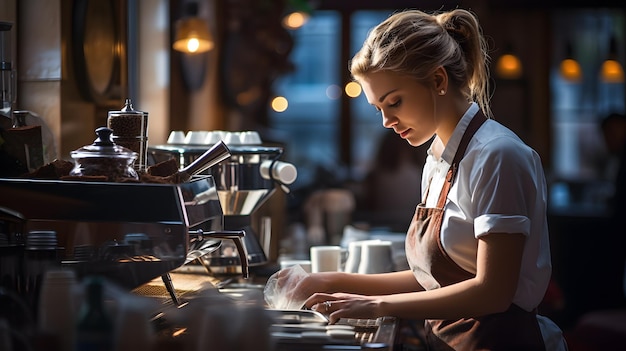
(500, 187)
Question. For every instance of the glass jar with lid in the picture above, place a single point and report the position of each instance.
(104, 158)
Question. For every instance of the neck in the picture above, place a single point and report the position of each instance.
(450, 110)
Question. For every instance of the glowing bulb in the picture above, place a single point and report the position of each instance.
(192, 36)
(280, 104)
(193, 44)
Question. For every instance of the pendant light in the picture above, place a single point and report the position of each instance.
(298, 13)
(295, 20)
(192, 32)
(612, 71)
(509, 66)
(570, 69)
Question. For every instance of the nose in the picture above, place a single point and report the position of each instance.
(388, 121)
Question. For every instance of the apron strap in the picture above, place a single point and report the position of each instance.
(477, 121)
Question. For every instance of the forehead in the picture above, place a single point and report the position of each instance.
(377, 84)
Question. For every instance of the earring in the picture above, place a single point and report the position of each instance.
(442, 92)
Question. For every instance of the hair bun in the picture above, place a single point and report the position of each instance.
(455, 25)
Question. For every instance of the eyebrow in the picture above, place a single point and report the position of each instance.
(382, 98)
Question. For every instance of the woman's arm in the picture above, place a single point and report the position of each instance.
(491, 291)
(499, 260)
(363, 284)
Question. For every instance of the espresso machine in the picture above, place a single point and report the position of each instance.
(244, 182)
(127, 232)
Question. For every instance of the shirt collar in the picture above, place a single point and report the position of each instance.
(459, 130)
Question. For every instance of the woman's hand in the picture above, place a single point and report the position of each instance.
(290, 287)
(342, 305)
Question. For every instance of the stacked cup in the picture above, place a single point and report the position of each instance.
(369, 257)
(376, 257)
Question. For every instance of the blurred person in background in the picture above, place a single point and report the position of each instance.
(614, 131)
(392, 187)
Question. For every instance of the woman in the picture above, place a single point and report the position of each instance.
(478, 243)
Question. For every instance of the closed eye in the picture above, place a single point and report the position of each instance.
(396, 104)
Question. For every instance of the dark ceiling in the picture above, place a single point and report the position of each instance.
(353, 5)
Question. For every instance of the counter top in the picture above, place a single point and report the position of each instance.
(369, 334)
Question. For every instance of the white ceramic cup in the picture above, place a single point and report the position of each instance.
(176, 137)
(214, 136)
(250, 138)
(376, 257)
(232, 138)
(196, 137)
(326, 258)
(354, 254)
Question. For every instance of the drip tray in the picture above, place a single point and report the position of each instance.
(314, 333)
(309, 330)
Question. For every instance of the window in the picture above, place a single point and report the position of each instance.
(580, 160)
(367, 127)
(310, 125)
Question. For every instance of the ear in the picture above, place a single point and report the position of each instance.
(440, 80)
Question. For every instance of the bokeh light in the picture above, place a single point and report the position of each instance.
(353, 89)
(280, 104)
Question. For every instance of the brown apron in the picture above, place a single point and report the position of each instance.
(514, 329)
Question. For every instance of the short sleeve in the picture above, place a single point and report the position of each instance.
(503, 186)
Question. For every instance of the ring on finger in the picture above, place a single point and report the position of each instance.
(327, 304)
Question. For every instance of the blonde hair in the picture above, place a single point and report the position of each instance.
(416, 43)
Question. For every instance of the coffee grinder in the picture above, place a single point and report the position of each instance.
(244, 182)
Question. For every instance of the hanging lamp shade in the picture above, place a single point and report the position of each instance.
(570, 68)
(509, 66)
(612, 71)
(192, 33)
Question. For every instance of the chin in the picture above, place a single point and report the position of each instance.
(418, 142)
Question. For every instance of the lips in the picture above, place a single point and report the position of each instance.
(404, 134)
